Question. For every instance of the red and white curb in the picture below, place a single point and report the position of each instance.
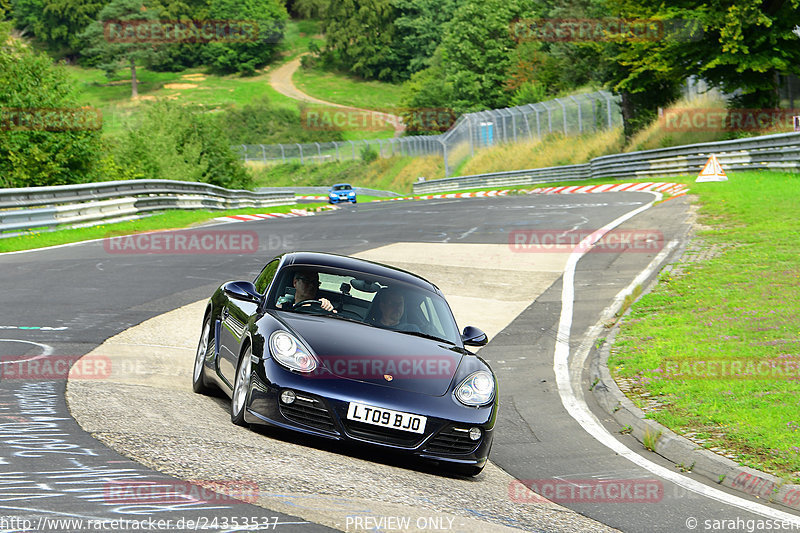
(312, 197)
(479, 194)
(672, 189)
(265, 216)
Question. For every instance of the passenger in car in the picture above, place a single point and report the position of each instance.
(390, 310)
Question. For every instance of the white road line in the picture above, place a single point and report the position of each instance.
(46, 350)
(578, 409)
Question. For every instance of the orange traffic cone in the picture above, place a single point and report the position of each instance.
(712, 171)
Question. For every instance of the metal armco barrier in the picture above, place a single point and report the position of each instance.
(773, 152)
(91, 203)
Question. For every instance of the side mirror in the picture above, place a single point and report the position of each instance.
(242, 290)
(472, 336)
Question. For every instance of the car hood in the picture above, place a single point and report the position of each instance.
(354, 351)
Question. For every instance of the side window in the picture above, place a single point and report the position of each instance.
(265, 278)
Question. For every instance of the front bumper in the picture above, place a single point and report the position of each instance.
(321, 409)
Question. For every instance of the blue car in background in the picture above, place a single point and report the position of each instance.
(341, 192)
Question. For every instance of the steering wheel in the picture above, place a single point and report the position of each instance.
(312, 303)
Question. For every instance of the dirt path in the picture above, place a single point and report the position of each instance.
(281, 80)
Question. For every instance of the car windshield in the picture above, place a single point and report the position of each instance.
(372, 300)
(341, 187)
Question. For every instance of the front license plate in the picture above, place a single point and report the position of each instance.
(386, 418)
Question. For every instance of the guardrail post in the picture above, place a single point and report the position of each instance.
(244, 150)
(608, 111)
(319, 152)
(380, 148)
(352, 144)
(336, 145)
(283, 153)
(302, 162)
(263, 153)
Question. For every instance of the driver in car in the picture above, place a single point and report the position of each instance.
(305, 285)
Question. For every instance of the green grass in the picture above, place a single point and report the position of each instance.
(299, 35)
(739, 305)
(112, 96)
(347, 90)
(161, 221)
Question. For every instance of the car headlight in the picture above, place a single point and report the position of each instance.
(290, 353)
(476, 390)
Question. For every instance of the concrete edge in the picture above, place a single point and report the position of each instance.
(682, 452)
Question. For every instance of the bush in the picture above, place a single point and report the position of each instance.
(32, 155)
(368, 154)
(171, 141)
(262, 123)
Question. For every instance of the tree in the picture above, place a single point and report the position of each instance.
(736, 45)
(113, 41)
(476, 56)
(307, 9)
(418, 31)
(360, 37)
(43, 144)
(746, 44)
(256, 50)
(56, 23)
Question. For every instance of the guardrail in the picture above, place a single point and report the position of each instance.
(775, 152)
(114, 201)
(323, 191)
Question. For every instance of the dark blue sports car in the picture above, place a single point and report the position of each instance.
(354, 351)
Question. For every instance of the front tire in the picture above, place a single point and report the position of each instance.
(204, 350)
(241, 387)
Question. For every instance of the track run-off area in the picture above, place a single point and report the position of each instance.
(131, 420)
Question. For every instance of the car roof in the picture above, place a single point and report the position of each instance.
(340, 184)
(361, 265)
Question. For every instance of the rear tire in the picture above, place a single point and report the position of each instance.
(205, 349)
(241, 387)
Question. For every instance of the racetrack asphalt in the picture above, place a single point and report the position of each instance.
(95, 295)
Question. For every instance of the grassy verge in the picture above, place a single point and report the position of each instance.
(346, 90)
(739, 304)
(168, 220)
(391, 174)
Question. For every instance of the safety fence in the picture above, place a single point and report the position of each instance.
(571, 115)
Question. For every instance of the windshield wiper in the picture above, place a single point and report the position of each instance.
(425, 336)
